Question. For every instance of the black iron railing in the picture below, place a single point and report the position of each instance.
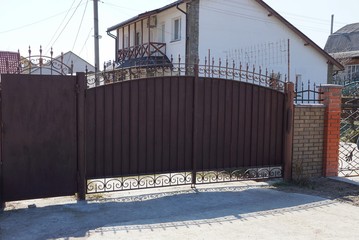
(307, 94)
(207, 69)
(38, 64)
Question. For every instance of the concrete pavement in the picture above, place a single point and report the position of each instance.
(351, 180)
(242, 210)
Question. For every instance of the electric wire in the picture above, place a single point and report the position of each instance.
(79, 29)
(63, 20)
(84, 45)
(31, 24)
(53, 43)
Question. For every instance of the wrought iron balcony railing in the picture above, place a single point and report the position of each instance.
(152, 49)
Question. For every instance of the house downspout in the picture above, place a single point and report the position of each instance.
(116, 45)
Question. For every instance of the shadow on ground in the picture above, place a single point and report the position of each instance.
(159, 210)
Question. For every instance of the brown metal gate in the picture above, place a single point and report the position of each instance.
(39, 137)
(59, 138)
(178, 130)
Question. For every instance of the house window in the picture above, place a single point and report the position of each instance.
(126, 41)
(176, 26)
(163, 33)
(138, 39)
(353, 73)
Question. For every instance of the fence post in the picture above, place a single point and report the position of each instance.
(195, 124)
(288, 131)
(81, 159)
(331, 95)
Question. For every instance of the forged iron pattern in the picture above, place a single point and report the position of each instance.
(349, 137)
(114, 184)
(207, 70)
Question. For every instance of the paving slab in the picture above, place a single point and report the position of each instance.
(244, 211)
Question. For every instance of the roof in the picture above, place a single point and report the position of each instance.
(70, 53)
(271, 11)
(306, 39)
(345, 39)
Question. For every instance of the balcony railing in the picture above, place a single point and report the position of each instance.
(152, 49)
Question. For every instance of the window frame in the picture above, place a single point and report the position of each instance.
(176, 29)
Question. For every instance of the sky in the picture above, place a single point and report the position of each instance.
(67, 25)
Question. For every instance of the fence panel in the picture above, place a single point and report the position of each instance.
(39, 136)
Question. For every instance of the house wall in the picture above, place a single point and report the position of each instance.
(174, 48)
(242, 31)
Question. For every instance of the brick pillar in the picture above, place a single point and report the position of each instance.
(332, 100)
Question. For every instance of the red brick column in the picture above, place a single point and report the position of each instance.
(332, 101)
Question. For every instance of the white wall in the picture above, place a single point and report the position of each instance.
(232, 28)
(174, 48)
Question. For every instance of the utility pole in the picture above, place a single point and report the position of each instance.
(96, 37)
(332, 25)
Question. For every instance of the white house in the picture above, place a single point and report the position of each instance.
(241, 31)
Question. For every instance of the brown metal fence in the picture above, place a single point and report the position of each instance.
(192, 125)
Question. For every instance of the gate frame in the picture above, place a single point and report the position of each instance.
(288, 119)
(81, 84)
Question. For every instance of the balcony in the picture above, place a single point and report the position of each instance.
(152, 53)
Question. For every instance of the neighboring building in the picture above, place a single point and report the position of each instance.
(64, 63)
(242, 31)
(9, 62)
(343, 45)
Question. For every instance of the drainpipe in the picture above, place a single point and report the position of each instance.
(114, 37)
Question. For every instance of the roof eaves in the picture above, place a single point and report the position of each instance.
(301, 35)
(143, 15)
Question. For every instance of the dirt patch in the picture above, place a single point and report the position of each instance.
(323, 187)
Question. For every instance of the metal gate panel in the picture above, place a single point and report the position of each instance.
(240, 125)
(39, 136)
(180, 130)
(139, 127)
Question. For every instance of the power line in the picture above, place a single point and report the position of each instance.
(67, 23)
(63, 20)
(31, 24)
(78, 31)
(84, 45)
